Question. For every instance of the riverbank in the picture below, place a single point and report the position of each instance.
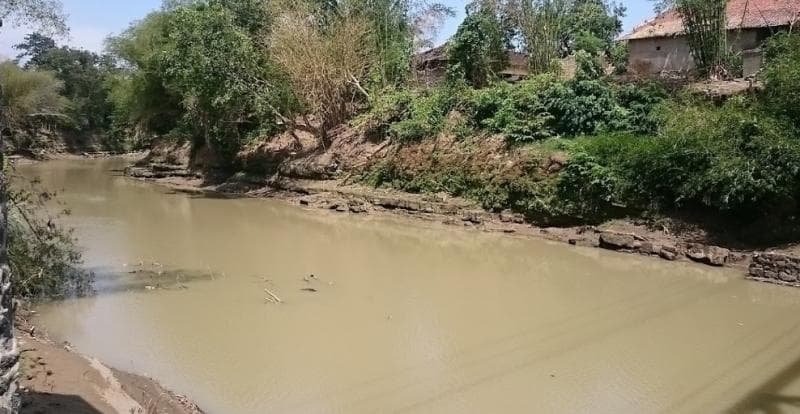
(336, 179)
(55, 378)
(339, 195)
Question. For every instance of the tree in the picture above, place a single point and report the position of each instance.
(27, 93)
(479, 49)
(326, 64)
(705, 24)
(661, 6)
(227, 85)
(553, 29)
(142, 104)
(34, 48)
(48, 14)
(397, 28)
(83, 73)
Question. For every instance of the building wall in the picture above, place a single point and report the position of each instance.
(672, 54)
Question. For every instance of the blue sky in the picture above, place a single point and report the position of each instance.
(91, 21)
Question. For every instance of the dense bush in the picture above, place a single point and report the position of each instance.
(733, 159)
(528, 194)
(544, 106)
(408, 116)
(782, 76)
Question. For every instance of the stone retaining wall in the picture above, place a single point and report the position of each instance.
(776, 268)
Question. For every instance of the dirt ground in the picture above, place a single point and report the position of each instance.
(54, 379)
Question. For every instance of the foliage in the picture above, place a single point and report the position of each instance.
(142, 103)
(395, 27)
(42, 254)
(524, 194)
(225, 83)
(553, 29)
(325, 64)
(782, 76)
(199, 70)
(425, 115)
(479, 49)
(544, 106)
(28, 93)
(706, 32)
(46, 15)
(734, 159)
(386, 108)
(83, 73)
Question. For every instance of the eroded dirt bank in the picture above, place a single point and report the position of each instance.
(296, 171)
(56, 379)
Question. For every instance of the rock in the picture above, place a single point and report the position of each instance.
(756, 270)
(341, 208)
(648, 248)
(473, 217)
(710, 255)
(305, 202)
(617, 241)
(668, 253)
(775, 267)
(508, 216)
(573, 242)
(358, 208)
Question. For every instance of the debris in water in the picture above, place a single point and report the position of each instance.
(309, 290)
(273, 296)
(148, 287)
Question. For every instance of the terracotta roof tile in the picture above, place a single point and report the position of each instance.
(742, 14)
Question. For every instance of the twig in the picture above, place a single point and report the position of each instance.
(274, 296)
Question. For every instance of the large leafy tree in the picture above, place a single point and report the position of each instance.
(82, 72)
(553, 29)
(479, 49)
(46, 15)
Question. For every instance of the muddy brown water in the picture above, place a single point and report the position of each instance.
(407, 316)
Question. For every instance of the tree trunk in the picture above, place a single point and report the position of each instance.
(9, 353)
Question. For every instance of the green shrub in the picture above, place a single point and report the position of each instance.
(517, 111)
(638, 103)
(734, 160)
(782, 76)
(43, 256)
(388, 107)
(408, 116)
(543, 106)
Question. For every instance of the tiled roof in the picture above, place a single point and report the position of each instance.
(742, 14)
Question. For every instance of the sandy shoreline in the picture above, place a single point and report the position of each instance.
(56, 379)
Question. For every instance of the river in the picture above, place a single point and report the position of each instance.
(404, 316)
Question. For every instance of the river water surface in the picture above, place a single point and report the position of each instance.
(406, 316)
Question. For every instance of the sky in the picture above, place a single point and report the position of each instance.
(91, 21)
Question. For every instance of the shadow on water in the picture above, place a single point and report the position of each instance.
(45, 403)
(768, 398)
(107, 281)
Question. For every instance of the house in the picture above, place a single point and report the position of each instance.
(660, 46)
(431, 66)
